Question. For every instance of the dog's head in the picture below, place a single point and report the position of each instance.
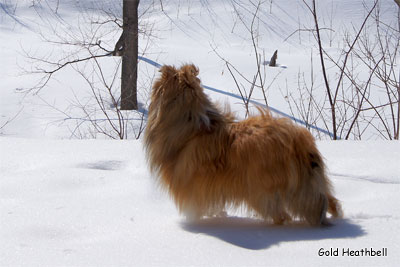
(178, 96)
(176, 83)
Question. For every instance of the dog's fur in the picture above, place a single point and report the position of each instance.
(209, 162)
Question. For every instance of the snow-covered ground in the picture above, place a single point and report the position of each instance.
(94, 202)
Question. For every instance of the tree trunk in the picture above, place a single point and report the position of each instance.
(272, 62)
(129, 55)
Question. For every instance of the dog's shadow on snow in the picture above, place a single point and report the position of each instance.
(255, 234)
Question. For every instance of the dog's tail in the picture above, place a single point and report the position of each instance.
(334, 207)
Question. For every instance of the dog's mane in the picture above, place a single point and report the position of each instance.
(180, 111)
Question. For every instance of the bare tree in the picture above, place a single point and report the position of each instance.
(128, 46)
(332, 92)
(363, 97)
(248, 85)
(109, 104)
(4, 124)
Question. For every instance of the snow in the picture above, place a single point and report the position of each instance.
(93, 202)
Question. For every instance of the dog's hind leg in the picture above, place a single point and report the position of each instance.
(334, 207)
(317, 214)
(320, 200)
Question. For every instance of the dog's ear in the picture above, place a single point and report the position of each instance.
(210, 120)
(167, 72)
(188, 74)
(205, 123)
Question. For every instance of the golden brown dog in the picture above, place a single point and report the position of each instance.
(208, 162)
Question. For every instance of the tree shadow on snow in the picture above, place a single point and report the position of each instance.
(256, 234)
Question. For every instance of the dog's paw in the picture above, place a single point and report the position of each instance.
(282, 218)
(222, 214)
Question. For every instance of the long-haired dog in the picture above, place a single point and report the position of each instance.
(208, 162)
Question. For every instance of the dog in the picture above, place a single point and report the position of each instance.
(209, 162)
